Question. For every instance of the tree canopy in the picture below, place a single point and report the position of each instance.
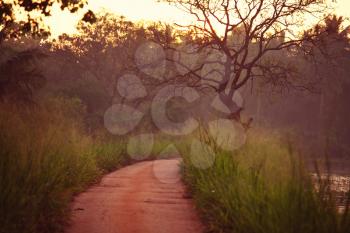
(250, 37)
(10, 27)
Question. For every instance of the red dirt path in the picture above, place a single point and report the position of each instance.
(147, 197)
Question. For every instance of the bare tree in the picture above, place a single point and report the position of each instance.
(251, 35)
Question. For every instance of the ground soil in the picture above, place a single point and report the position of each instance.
(147, 197)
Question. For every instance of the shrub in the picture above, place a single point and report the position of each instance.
(262, 187)
(46, 157)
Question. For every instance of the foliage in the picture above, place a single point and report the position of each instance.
(249, 38)
(90, 64)
(263, 187)
(46, 157)
(11, 28)
(19, 73)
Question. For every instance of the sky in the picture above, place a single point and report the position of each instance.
(138, 10)
(131, 9)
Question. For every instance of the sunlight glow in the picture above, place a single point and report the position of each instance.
(149, 10)
(135, 10)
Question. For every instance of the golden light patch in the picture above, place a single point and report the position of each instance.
(138, 10)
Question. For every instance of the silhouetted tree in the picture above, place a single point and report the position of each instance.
(252, 36)
(329, 55)
(18, 71)
(9, 27)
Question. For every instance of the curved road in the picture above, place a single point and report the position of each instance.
(147, 197)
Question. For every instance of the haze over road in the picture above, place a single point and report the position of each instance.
(143, 198)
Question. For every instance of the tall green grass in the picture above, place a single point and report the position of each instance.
(46, 157)
(262, 188)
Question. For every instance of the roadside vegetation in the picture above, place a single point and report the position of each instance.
(46, 158)
(263, 187)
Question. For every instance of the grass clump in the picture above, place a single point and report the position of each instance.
(262, 187)
(46, 157)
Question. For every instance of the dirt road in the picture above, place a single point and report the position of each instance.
(143, 198)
